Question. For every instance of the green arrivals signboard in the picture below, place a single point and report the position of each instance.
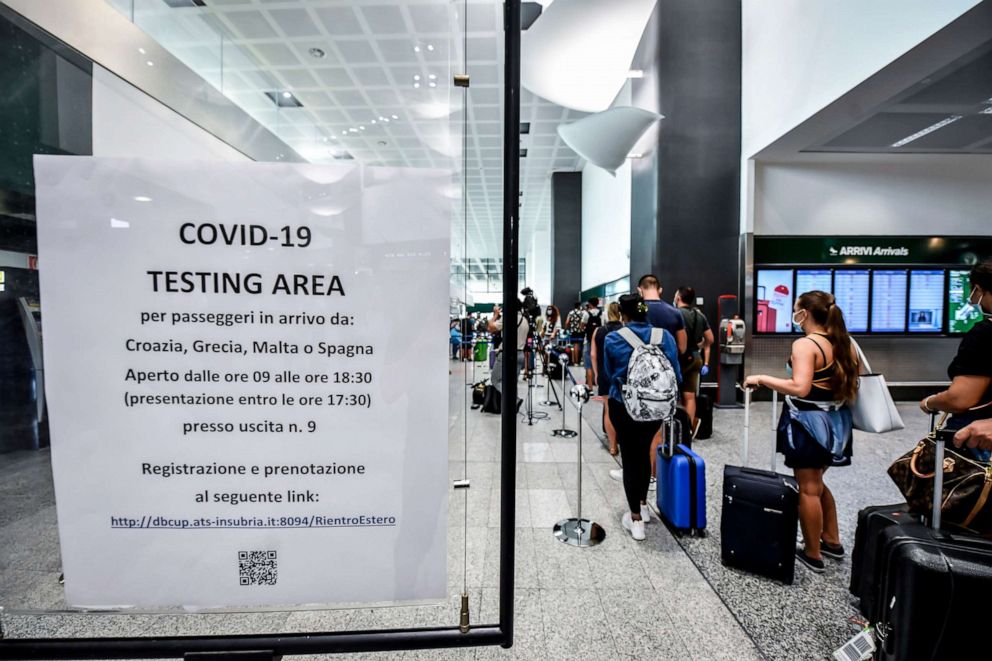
(910, 250)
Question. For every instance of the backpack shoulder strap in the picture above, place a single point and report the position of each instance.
(631, 337)
(657, 336)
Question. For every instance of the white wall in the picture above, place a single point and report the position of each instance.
(801, 55)
(908, 194)
(129, 123)
(539, 265)
(605, 225)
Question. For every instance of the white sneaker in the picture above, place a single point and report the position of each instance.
(653, 484)
(635, 528)
(617, 474)
(645, 513)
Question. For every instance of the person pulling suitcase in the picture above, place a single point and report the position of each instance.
(815, 427)
(641, 364)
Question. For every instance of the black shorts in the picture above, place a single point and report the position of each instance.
(805, 452)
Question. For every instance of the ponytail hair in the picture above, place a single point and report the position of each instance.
(822, 307)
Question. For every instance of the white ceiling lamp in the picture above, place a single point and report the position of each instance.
(578, 53)
(606, 138)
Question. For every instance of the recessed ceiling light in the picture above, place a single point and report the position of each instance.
(142, 198)
(433, 76)
(283, 99)
(928, 130)
(433, 84)
(361, 128)
(395, 117)
(416, 76)
(430, 47)
(317, 53)
(416, 85)
(142, 51)
(373, 121)
(416, 49)
(150, 63)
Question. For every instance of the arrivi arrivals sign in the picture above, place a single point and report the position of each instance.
(247, 396)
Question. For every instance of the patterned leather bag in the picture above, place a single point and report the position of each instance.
(966, 501)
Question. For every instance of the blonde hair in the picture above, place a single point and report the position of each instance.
(613, 312)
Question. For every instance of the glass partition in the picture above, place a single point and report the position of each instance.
(341, 83)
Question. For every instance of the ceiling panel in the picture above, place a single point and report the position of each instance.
(371, 52)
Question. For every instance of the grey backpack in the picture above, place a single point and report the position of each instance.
(651, 391)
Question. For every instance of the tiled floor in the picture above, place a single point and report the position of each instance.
(620, 600)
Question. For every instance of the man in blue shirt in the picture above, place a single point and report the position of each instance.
(661, 314)
(634, 437)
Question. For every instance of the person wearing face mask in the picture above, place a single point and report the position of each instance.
(552, 324)
(815, 429)
(969, 397)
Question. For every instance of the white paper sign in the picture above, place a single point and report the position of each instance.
(247, 380)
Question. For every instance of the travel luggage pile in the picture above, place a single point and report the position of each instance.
(704, 413)
(681, 492)
(760, 516)
(922, 589)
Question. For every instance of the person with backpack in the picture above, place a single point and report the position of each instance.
(599, 371)
(592, 319)
(573, 327)
(696, 359)
(642, 367)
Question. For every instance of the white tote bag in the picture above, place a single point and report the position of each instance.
(873, 409)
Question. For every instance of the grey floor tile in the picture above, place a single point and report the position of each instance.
(576, 624)
(641, 626)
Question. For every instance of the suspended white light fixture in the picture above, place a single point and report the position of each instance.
(578, 53)
(606, 138)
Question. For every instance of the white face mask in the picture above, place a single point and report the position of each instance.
(977, 305)
(797, 322)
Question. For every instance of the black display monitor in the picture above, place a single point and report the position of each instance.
(888, 300)
(851, 293)
(775, 297)
(926, 301)
(960, 316)
(814, 280)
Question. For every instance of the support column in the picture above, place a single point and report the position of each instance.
(691, 56)
(566, 241)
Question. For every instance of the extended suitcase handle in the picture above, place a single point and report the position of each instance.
(747, 426)
(938, 460)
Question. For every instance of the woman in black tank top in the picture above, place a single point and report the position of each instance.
(822, 378)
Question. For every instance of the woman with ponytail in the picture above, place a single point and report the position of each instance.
(814, 431)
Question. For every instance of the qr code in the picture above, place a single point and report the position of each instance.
(258, 567)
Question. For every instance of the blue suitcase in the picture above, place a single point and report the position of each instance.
(682, 489)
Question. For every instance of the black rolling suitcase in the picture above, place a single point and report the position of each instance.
(867, 552)
(760, 516)
(704, 413)
(927, 591)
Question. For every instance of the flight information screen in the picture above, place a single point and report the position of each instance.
(774, 301)
(851, 292)
(960, 316)
(888, 301)
(926, 301)
(813, 280)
